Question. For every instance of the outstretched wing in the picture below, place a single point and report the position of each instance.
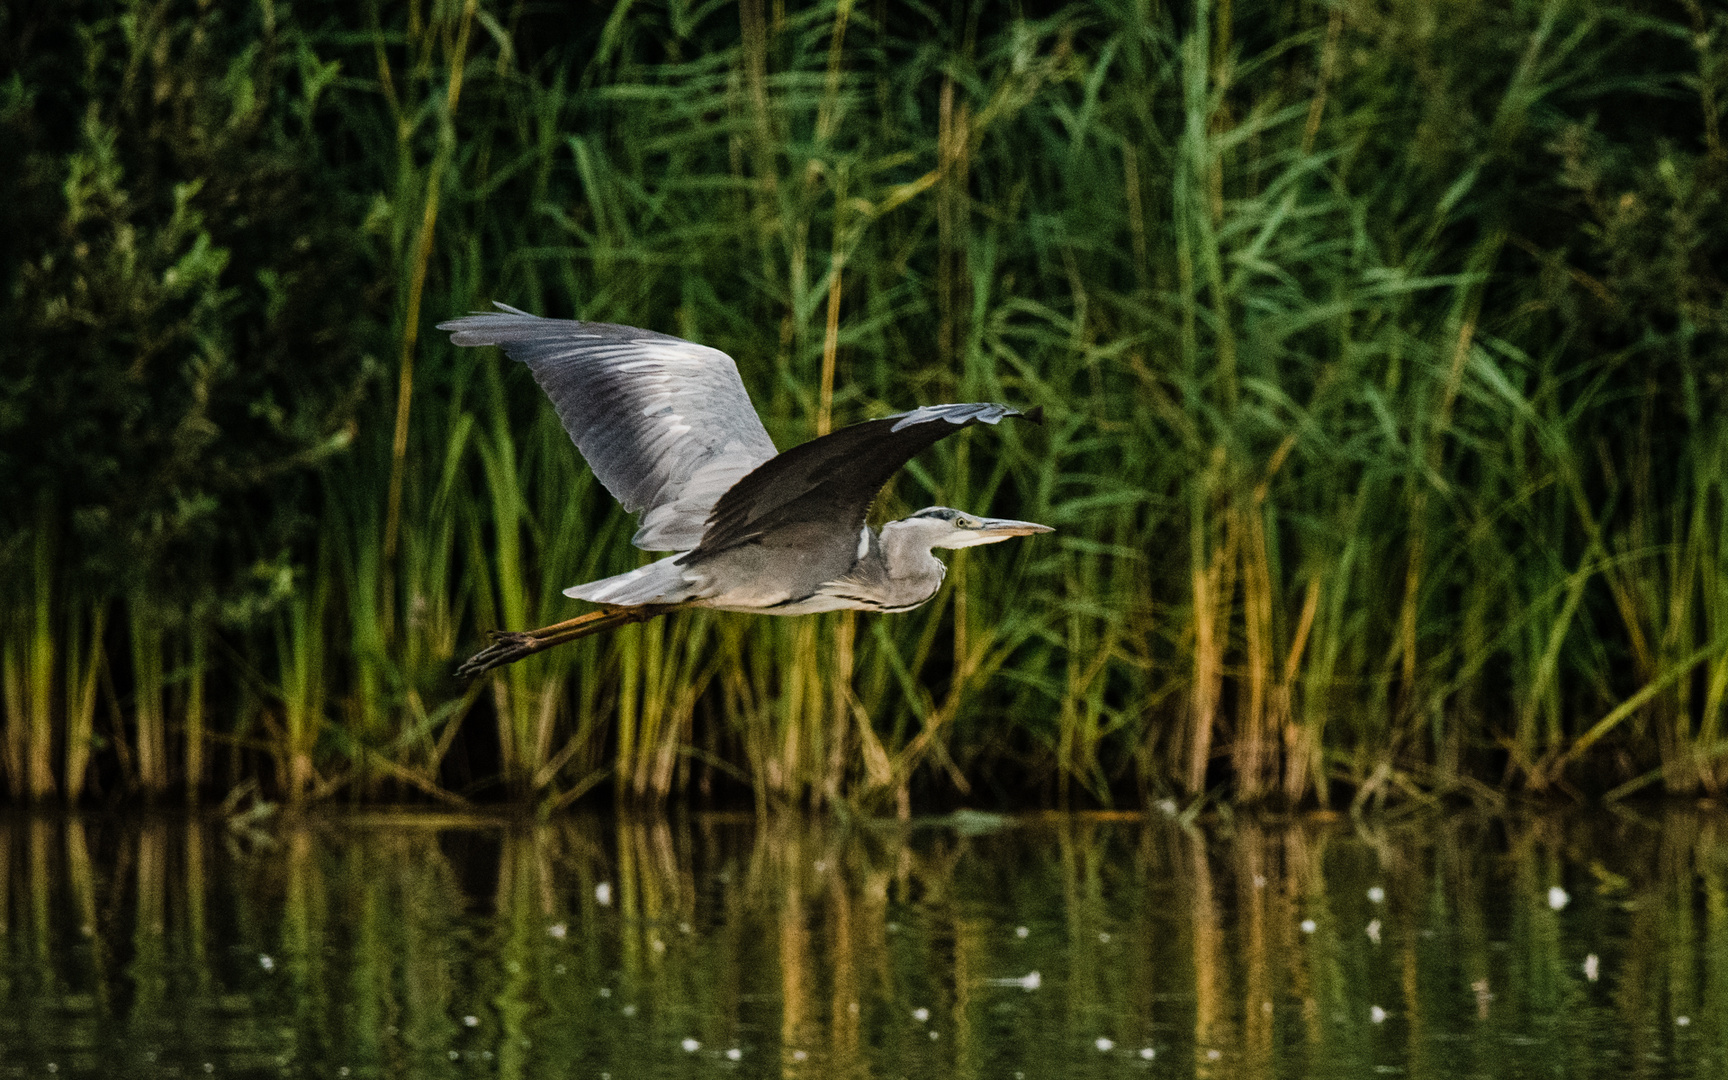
(664, 423)
(826, 486)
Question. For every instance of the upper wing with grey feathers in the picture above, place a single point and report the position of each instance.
(826, 486)
(664, 423)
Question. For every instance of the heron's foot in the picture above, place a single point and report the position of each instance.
(508, 646)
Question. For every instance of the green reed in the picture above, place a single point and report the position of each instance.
(1383, 384)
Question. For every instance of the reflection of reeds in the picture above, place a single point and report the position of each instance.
(371, 944)
(148, 971)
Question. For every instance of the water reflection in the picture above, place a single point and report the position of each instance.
(414, 946)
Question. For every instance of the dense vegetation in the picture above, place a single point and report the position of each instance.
(1384, 349)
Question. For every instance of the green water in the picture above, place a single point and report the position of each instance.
(697, 946)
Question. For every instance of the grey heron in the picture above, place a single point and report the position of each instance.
(667, 427)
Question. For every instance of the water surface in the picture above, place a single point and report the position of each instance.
(405, 945)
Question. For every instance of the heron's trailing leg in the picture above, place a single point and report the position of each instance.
(509, 646)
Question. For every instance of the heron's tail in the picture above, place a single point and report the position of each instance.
(660, 582)
(509, 646)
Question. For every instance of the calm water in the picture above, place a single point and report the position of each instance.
(409, 946)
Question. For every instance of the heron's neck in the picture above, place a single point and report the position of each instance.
(907, 554)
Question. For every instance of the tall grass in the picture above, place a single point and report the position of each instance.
(1381, 349)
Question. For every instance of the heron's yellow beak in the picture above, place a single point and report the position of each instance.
(1003, 528)
(990, 531)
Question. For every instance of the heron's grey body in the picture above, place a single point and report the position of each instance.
(668, 428)
(890, 571)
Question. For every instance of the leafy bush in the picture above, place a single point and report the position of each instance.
(189, 314)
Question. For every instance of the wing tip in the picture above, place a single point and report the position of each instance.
(479, 327)
(983, 412)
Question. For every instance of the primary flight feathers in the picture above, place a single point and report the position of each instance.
(668, 428)
(664, 423)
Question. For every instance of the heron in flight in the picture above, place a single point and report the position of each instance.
(668, 429)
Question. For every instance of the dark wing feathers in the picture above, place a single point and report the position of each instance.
(667, 426)
(664, 423)
(827, 485)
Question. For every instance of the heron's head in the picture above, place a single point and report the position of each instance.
(945, 527)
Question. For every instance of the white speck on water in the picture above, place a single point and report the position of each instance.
(921, 1014)
(485, 1055)
(799, 1055)
(684, 928)
(628, 1010)
(1103, 938)
(1376, 895)
(1309, 926)
(266, 962)
(1166, 806)
(471, 1021)
(1683, 1021)
(734, 1054)
(1592, 967)
(558, 930)
(454, 1055)
(1214, 1055)
(1104, 1044)
(1259, 881)
(852, 1008)
(1022, 932)
(934, 1036)
(1557, 897)
(1376, 1014)
(1147, 1053)
(658, 945)
(605, 991)
(821, 866)
(690, 1045)
(557, 969)
(52, 1067)
(1374, 931)
(603, 894)
(892, 928)
(1029, 981)
(343, 1071)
